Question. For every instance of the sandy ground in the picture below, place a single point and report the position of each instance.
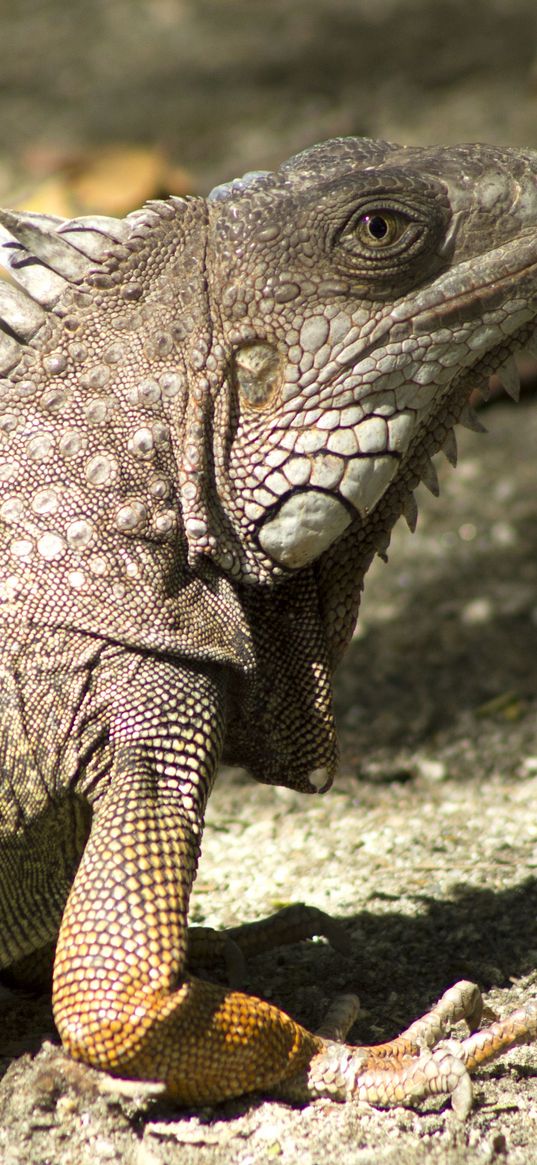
(426, 848)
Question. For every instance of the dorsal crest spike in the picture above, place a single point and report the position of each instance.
(429, 477)
(469, 420)
(449, 447)
(41, 241)
(22, 315)
(45, 254)
(410, 512)
(509, 377)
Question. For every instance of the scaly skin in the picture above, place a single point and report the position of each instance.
(211, 415)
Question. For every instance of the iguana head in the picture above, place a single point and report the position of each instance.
(362, 290)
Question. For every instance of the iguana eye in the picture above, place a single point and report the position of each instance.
(380, 228)
(381, 242)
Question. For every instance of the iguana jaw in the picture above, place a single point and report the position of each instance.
(306, 521)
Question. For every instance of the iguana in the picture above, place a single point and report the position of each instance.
(212, 412)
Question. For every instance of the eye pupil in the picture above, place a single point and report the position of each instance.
(377, 226)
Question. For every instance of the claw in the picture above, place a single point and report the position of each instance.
(341, 1015)
(462, 1097)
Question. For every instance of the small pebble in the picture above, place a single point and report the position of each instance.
(477, 612)
(431, 770)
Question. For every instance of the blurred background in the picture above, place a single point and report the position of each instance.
(104, 103)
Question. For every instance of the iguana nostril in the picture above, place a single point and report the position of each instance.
(257, 369)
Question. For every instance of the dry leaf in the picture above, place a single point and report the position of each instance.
(117, 179)
(53, 196)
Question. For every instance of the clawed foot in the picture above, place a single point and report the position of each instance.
(420, 1062)
(291, 924)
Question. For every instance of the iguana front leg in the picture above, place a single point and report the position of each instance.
(122, 999)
